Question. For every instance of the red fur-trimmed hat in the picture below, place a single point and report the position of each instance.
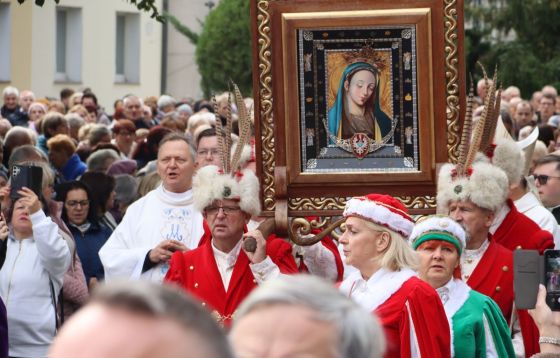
(382, 210)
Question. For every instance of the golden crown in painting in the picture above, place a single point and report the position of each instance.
(366, 54)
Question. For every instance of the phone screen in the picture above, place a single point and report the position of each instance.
(552, 278)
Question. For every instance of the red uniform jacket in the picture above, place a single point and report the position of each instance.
(197, 272)
(517, 231)
(419, 302)
(493, 277)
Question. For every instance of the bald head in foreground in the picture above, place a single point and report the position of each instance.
(304, 316)
(141, 319)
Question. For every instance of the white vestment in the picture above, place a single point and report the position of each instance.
(160, 215)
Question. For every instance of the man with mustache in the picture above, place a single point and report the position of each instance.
(473, 200)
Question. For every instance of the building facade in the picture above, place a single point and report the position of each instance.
(106, 45)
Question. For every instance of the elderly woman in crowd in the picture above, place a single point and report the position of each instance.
(385, 283)
(478, 327)
(36, 112)
(89, 235)
(37, 257)
(62, 155)
(124, 132)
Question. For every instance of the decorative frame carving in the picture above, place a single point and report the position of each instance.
(282, 200)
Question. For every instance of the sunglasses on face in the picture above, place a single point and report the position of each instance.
(543, 179)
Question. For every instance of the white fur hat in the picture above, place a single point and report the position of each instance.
(210, 184)
(510, 158)
(438, 227)
(382, 210)
(486, 186)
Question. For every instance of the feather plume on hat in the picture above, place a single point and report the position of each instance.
(473, 178)
(229, 181)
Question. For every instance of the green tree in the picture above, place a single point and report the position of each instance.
(223, 50)
(520, 36)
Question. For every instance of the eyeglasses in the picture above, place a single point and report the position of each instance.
(75, 203)
(543, 179)
(205, 152)
(213, 210)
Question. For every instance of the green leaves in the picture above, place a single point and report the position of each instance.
(223, 49)
(520, 36)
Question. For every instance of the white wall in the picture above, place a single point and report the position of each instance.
(34, 48)
(183, 79)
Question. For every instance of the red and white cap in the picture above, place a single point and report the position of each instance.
(382, 210)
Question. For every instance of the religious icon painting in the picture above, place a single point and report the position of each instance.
(363, 91)
(358, 90)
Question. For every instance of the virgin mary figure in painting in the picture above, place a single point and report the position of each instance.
(356, 108)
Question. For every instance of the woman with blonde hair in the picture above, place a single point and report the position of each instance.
(375, 242)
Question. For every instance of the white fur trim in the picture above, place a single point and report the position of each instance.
(438, 223)
(487, 187)
(509, 158)
(378, 214)
(379, 288)
(209, 185)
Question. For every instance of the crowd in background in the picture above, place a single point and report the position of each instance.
(96, 164)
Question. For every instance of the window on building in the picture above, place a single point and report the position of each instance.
(5, 42)
(68, 64)
(127, 48)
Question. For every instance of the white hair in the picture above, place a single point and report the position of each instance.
(359, 332)
(165, 100)
(10, 90)
(128, 97)
(37, 104)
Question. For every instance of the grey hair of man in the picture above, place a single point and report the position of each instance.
(174, 136)
(160, 301)
(97, 133)
(126, 187)
(359, 331)
(130, 96)
(10, 91)
(97, 161)
(165, 100)
(74, 120)
(26, 153)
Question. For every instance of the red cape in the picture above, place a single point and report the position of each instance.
(419, 302)
(196, 271)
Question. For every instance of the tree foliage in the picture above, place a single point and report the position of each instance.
(182, 28)
(520, 37)
(223, 50)
(148, 6)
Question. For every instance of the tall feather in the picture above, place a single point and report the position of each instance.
(466, 133)
(220, 136)
(475, 142)
(227, 132)
(494, 115)
(489, 122)
(244, 123)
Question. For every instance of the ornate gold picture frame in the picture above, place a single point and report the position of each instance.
(301, 50)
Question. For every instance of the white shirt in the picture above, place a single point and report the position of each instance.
(262, 271)
(471, 258)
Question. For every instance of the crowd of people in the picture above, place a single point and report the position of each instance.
(145, 240)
